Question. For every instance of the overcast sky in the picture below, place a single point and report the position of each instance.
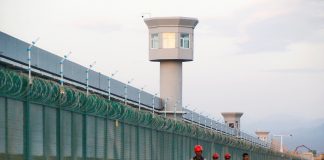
(261, 57)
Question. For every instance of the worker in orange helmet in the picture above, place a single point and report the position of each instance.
(198, 151)
(227, 156)
(215, 156)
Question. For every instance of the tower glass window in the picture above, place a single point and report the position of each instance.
(184, 40)
(169, 40)
(155, 40)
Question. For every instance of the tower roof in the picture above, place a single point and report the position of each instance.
(232, 114)
(262, 132)
(171, 22)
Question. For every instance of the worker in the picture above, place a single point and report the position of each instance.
(215, 156)
(245, 156)
(227, 156)
(198, 151)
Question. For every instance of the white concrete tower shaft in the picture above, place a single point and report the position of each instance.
(171, 84)
(171, 43)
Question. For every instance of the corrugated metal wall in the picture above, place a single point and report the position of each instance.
(15, 49)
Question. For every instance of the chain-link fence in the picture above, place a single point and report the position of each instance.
(46, 121)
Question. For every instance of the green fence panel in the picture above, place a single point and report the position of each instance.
(50, 141)
(178, 146)
(77, 140)
(148, 143)
(218, 149)
(134, 142)
(111, 139)
(36, 132)
(91, 137)
(141, 143)
(127, 142)
(118, 140)
(15, 129)
(100, 145)
(155, 145)
(66, 135)
(114, 139)
(3, 129)
(168, 146)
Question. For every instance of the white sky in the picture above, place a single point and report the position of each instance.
(261, 57)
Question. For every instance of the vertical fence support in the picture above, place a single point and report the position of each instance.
(162, 145)
(106, 138)
(44, 133)
(26, 130)
(173, 146)
(96, 137)
(84, 136)
(152, 153)
(58, 133)
(138, 141)
(73, 128)
(6, 129)
(122, 125)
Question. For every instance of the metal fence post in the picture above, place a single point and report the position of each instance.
(106, 136)
(138, 141)
(58, 133)
(96, 136)
(84, 136)
(45, 154)
(6, 129)
(122, 125)
(27, 129)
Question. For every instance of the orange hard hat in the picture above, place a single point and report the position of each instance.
(215, 155)
(227, 155)
(198, 148)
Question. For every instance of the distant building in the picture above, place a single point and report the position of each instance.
(275, 145)
(308, 155)
(263, 135)
(232, 119)
(320, 157)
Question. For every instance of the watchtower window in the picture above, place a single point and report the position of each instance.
(169, 40)
(184, 40)
(154, 41)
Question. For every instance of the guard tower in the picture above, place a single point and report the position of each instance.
(232, 119)
(171, 43)
(262, 135)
